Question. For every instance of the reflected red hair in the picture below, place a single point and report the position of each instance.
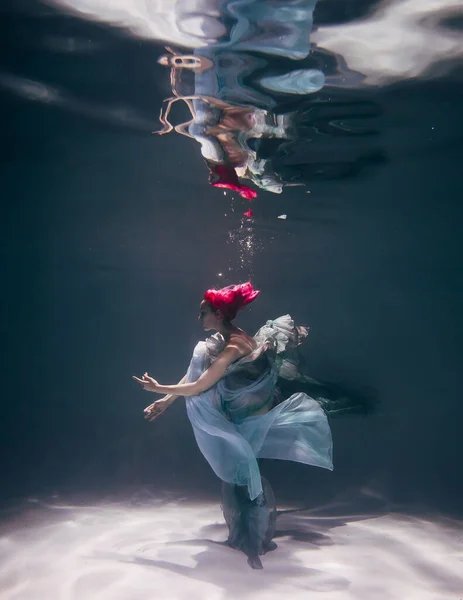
(229, 300)
(224, 176)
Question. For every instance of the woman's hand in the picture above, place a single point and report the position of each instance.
(154, 410)
(148, 383)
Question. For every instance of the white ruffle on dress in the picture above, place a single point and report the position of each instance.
(243, 417)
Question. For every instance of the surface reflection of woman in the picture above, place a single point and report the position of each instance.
(238, 406)
(243, 136)
(221, 128)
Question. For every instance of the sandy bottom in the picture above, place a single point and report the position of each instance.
(164, 548)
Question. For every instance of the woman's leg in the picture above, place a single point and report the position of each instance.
(251, 523)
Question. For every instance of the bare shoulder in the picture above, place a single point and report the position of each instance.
(244, 343)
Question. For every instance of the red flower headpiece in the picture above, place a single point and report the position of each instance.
(224, 176)
(229, 300)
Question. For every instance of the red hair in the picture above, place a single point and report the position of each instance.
(229, 300)
(224, 176)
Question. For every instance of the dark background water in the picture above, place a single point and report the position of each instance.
(110, 236)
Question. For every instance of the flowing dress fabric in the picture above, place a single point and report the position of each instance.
(242, 418)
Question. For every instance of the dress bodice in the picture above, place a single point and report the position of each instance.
(249, 385)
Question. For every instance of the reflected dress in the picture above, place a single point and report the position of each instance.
(246, 416)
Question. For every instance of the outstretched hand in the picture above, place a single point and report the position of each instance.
(148, 383)
(154, 410)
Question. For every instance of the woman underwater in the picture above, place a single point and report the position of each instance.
(246, 399)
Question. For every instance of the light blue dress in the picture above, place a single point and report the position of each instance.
(244, 416)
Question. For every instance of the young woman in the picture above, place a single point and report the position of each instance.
(236, 390)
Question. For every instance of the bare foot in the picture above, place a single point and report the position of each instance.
(269, 546)
(254, 562)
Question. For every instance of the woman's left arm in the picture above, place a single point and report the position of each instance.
(207, 379)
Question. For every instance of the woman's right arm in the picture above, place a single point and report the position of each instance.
(159, 406)
(170, 397)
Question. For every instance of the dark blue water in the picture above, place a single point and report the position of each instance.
(111, 234)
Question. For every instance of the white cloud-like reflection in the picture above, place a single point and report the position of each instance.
(170, 549)
(400, 39)
(191, 23)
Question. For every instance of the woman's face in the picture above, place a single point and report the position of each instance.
(208, 316)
